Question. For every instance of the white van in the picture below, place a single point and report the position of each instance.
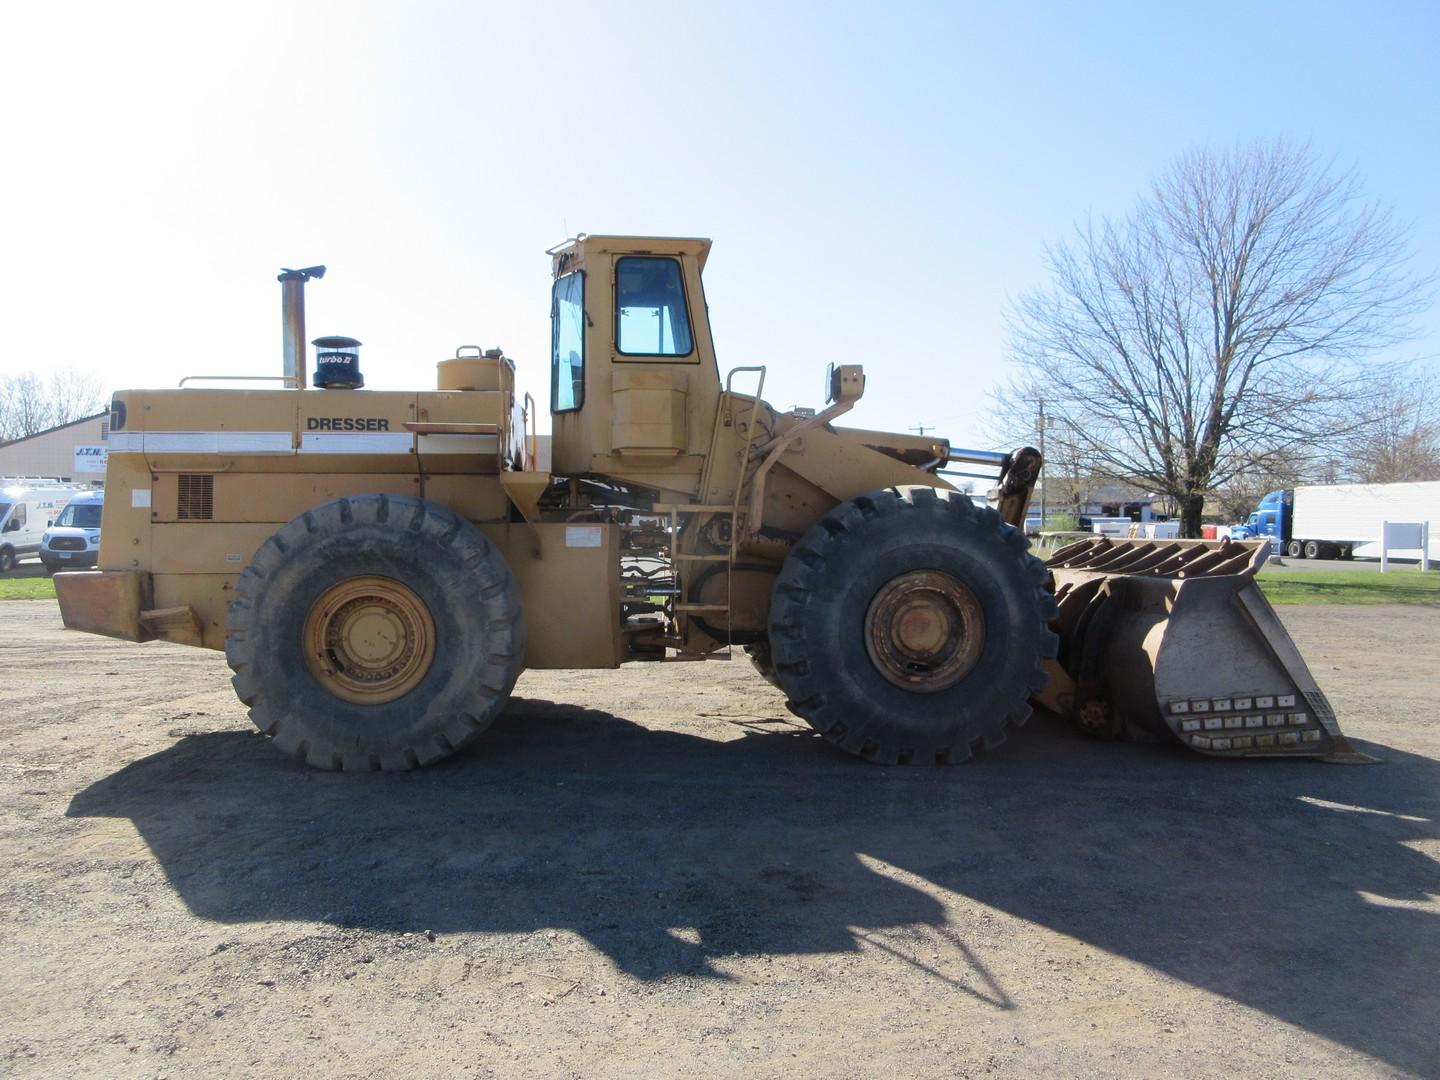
(25, 513)
(73, 542)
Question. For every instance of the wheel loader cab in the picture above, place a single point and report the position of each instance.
(633, 376)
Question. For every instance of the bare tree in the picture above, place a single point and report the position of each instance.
(29, 405)
(1401, 440)
(1067, 480)
(23, 408)
(1241, 493)
(1217, 327)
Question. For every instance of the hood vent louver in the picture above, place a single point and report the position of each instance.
(197, 497)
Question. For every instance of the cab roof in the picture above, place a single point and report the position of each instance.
(580, 247)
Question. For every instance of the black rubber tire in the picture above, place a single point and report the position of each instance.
(447, 562)
(1294, 550)
(764, 663)
(817, 621)
(7, 559)
(1312, 549)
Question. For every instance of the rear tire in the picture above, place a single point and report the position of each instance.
(1294, 550)
(909, 626)
(7, 560)
(375, 632)
(1312, 549)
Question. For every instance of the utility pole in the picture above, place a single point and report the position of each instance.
(920, 429)
(1043, 485)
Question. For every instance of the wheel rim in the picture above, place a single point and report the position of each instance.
(924, 631)
(369, 640)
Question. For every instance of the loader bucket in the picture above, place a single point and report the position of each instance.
(1174, 636)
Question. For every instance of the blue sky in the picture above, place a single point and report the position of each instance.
(879, 181)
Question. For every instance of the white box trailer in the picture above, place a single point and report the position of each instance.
(1349, 516)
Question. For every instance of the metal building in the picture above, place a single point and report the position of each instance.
(73, 452)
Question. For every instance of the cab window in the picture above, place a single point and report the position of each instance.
(567, 342)
(651, 318)
(80, 516)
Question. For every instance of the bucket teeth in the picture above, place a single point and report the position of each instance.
(1174, 636)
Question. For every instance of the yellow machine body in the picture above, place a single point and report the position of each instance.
(674, 502)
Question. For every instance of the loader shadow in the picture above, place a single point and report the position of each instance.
(1291, 887)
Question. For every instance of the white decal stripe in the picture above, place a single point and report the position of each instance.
(360, 442)
(201, 442)
(459, 444)
(279, 442)
(258, 442)
(181, 442)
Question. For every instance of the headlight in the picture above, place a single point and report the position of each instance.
(94, 541)
(45, 539)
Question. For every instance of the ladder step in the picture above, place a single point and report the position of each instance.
(702, 558)
(702, 607)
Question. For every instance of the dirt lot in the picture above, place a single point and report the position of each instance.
(653, 872)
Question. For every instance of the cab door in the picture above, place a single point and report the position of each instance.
(654, 354)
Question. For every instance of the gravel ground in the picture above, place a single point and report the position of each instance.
(654, 872)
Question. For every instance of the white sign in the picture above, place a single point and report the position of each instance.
(1404, 536)
(582, 536)
(90, 459)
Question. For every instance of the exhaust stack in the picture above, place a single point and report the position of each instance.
(292, 313)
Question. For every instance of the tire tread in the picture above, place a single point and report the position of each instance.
(803, 578)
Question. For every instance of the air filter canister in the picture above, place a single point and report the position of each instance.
(337, 363)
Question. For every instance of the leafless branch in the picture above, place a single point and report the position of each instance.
(1222, 328)
(30, 405)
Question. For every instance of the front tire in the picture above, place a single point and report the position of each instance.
(910, 627)
(764, 663)
(7, 560)
(375, 632)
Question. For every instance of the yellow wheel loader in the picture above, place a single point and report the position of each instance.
(380, 566)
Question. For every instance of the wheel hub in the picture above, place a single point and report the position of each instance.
(369, 640)
(924, 631)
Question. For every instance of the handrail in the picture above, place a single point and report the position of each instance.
(707, 473)
(743, 464)
(293, 380)
(776, 447)
(446, 427)
(530, 419)
(736, 370)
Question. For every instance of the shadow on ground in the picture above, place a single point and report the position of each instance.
(1290, 887)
